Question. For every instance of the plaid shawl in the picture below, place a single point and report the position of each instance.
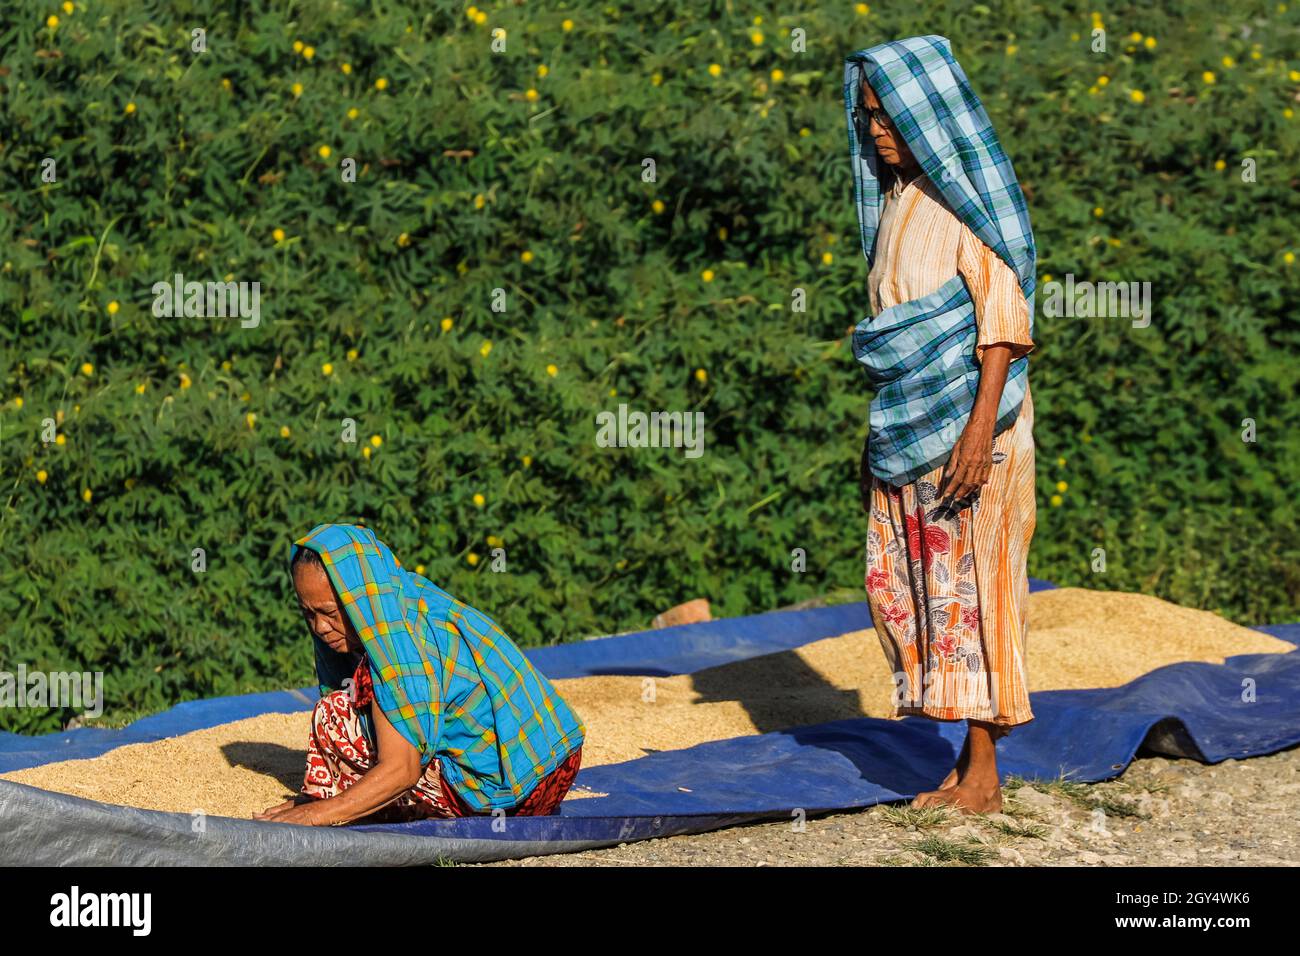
(919, 356)
(446, 676)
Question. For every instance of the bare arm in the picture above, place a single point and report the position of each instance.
(972, 457)
(397, 770)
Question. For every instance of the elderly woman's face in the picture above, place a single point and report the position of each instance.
(321, 609)
(891, 147)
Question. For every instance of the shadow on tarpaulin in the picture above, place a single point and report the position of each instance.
(1191, 709)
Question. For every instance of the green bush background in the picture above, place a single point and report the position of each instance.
(220, 150)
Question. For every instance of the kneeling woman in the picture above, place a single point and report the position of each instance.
(427, 708)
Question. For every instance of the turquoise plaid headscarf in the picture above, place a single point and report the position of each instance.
(920, 355)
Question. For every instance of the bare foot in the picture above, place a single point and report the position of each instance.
(966, 797)
(959, 771)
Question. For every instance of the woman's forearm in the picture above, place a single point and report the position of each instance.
(993, 378)
(378, 787)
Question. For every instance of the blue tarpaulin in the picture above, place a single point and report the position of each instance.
(1249, 705)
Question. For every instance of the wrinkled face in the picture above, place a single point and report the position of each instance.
(321, 609)
(889, 144)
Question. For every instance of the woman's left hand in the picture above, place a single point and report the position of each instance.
(970, 463)
(291, 811)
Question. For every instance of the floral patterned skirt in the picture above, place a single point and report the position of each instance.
(948, 590)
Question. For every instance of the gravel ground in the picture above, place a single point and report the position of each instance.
(1159, 812)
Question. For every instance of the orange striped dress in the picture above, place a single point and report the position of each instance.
(948, 593)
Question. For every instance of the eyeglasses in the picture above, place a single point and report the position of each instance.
(862, 117)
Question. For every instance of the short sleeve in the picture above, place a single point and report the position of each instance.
(1001, 311)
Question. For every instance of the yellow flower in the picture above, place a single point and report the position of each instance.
(827, 258)
(1060, 462)
(1103, 80)
(139, 389)
(756, 38)
(60, 439)
(862, 9)
(297, 46)
(701, 375)
(657, 206)
(1287, 112)
(130, 483)
(250, 419)
(381, 83)
(1047, 278)
(284, 431)
(419, 569)
(185, 381)
(1056, 501)
(1137, 96)
(113, 307)
(542, 69)
(526, 256)
(480, 18)
(52, 21)
(87, 369)
(1097, 211)
(656, 79)
(528, 461)
(346, 68)
(1294, 76)
(353, 113)
(1207, 76)
(472, 558)
(1135, 37)
(471, 12)
(707, 275)
(277, 235)
(447, 324)
(1219, 164)
(86, 495)
(1229, 62)
(1149, 43)
(778, 76)
(479, 501)
(484, 349)
(1288, 258)
(531, 96)
(324, 152)
(352, 355)
(130, 108)
(365, 452)
(403, 240)
(480, 201)
(494, 542)
(68, 6)
(18, 401)
(613, 392)
(41, 476)
(805, 131)
(552, 370)
(308, 52)
(296, 89)
(327, 369)
(715, 69)
(1011, 49)
(566, 26)
(376, 440)
(1062, 486)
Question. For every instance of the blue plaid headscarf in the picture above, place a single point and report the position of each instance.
(920, 355)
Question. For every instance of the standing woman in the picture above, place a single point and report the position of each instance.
(948, 469)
